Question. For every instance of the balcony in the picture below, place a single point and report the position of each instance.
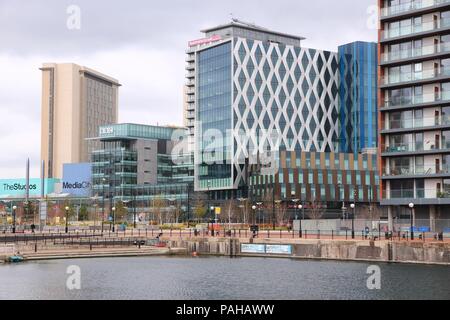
(423, 196)
(410, 6)
(190, 90)
(413, 53)
(407, 78)
(418, 170)
(190, 74)
(190, 58)
(420, 123)
(190, 115)
(417, 100)
(190, 66)
(414, 147)
(413, 30)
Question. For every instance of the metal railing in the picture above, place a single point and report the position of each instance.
(418, 193)
(415, 28)
(415, 52)
(417, 99)
(415, 146)
(413, 123)
(415, 75)
(414, 170)
(412, 5)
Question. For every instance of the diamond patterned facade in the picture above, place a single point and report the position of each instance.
(287, 89)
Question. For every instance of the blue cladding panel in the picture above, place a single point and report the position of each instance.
(358, 96)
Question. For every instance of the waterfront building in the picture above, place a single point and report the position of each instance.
(414, 96)
(248, 81)
(265, 94)
(325, 181)
(76, 100)
(139, 163)
(358, 115)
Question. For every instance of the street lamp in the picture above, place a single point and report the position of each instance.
(113, 218)
(353, 220)
(67, 219)
(14, 218)
(212, 210)
(411, 207)
(103, 202)
(300, 207)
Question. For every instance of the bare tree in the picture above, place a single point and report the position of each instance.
(199, 210)
(159, 203)
(316, 210)
(280, 213)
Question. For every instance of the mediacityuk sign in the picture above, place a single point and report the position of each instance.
(204, 40)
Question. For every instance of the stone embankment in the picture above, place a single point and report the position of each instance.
(349, 250)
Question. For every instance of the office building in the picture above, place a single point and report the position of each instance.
(139, 163)
(75, 101)
(414, 95)
(358, 115)
(248, 81)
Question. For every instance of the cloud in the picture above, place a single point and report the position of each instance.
(141, 43)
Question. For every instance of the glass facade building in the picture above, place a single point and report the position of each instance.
(214, 117)
(358, 116)
(138, 164)
(245, 84)
(320, 177)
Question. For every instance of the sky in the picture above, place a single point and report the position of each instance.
(142, 44)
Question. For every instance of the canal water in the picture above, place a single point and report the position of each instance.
(220, 278)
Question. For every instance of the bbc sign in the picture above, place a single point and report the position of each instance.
(77, 179)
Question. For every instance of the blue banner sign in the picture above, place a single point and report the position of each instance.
(77, 179)
(266, 248)
(278, 249)
(253, 248)
(17, 187)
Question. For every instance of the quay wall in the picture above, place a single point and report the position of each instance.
(358, 250)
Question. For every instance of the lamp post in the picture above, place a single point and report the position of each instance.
(295, 203)
(353, 220)
(103, 201)
(113, 218)
(300, 207)
(254, 219)
(215, 220)
(67, 219)
(411, 207)
(14, 219)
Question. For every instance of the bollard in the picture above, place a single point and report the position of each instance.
(268, 234)
(346, 234)
(35, 247)
(318, 234)
(332, 234)
(90, 246)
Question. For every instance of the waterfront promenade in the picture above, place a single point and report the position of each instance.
(307, 244)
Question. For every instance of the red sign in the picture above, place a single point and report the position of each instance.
(204, 40)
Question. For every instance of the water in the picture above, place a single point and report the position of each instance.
(220, 278)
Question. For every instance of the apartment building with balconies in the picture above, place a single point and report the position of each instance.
(414, 110)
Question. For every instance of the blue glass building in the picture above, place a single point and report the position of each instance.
(358, 120)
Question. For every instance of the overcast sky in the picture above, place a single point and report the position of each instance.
(142, 44)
